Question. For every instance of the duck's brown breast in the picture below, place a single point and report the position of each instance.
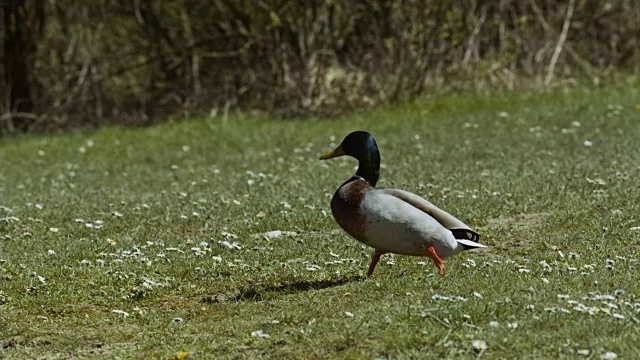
(346, 209)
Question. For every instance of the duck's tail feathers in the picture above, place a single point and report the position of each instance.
(465, 234)
(468, 244)
(467, 238)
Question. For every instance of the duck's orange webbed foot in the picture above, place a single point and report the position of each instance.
(436, 259)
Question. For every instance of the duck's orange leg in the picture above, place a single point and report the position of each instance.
(374, 261)
(436, 259)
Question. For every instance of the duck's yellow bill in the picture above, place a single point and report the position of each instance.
(333, 153)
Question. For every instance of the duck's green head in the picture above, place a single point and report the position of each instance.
(362, 146)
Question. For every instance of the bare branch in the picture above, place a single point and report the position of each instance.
(561, 41)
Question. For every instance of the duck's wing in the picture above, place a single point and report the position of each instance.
(460, 230)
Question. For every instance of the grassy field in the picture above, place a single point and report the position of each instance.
(145, 243)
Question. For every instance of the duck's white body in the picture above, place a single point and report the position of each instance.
(397, 221)
(394, 225)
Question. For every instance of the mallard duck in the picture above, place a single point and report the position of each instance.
(393, 220)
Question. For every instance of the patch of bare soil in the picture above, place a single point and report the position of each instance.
(503, 228)
(518, 221)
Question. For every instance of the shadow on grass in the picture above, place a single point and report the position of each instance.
(260, 292)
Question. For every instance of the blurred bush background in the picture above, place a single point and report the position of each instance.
(89, 63)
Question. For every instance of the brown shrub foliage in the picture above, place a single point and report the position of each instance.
(86, 63)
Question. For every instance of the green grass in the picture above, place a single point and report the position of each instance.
(556, 213)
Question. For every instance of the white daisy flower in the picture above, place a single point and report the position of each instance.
(479, 345)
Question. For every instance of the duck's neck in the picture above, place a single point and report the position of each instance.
(369, 167)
